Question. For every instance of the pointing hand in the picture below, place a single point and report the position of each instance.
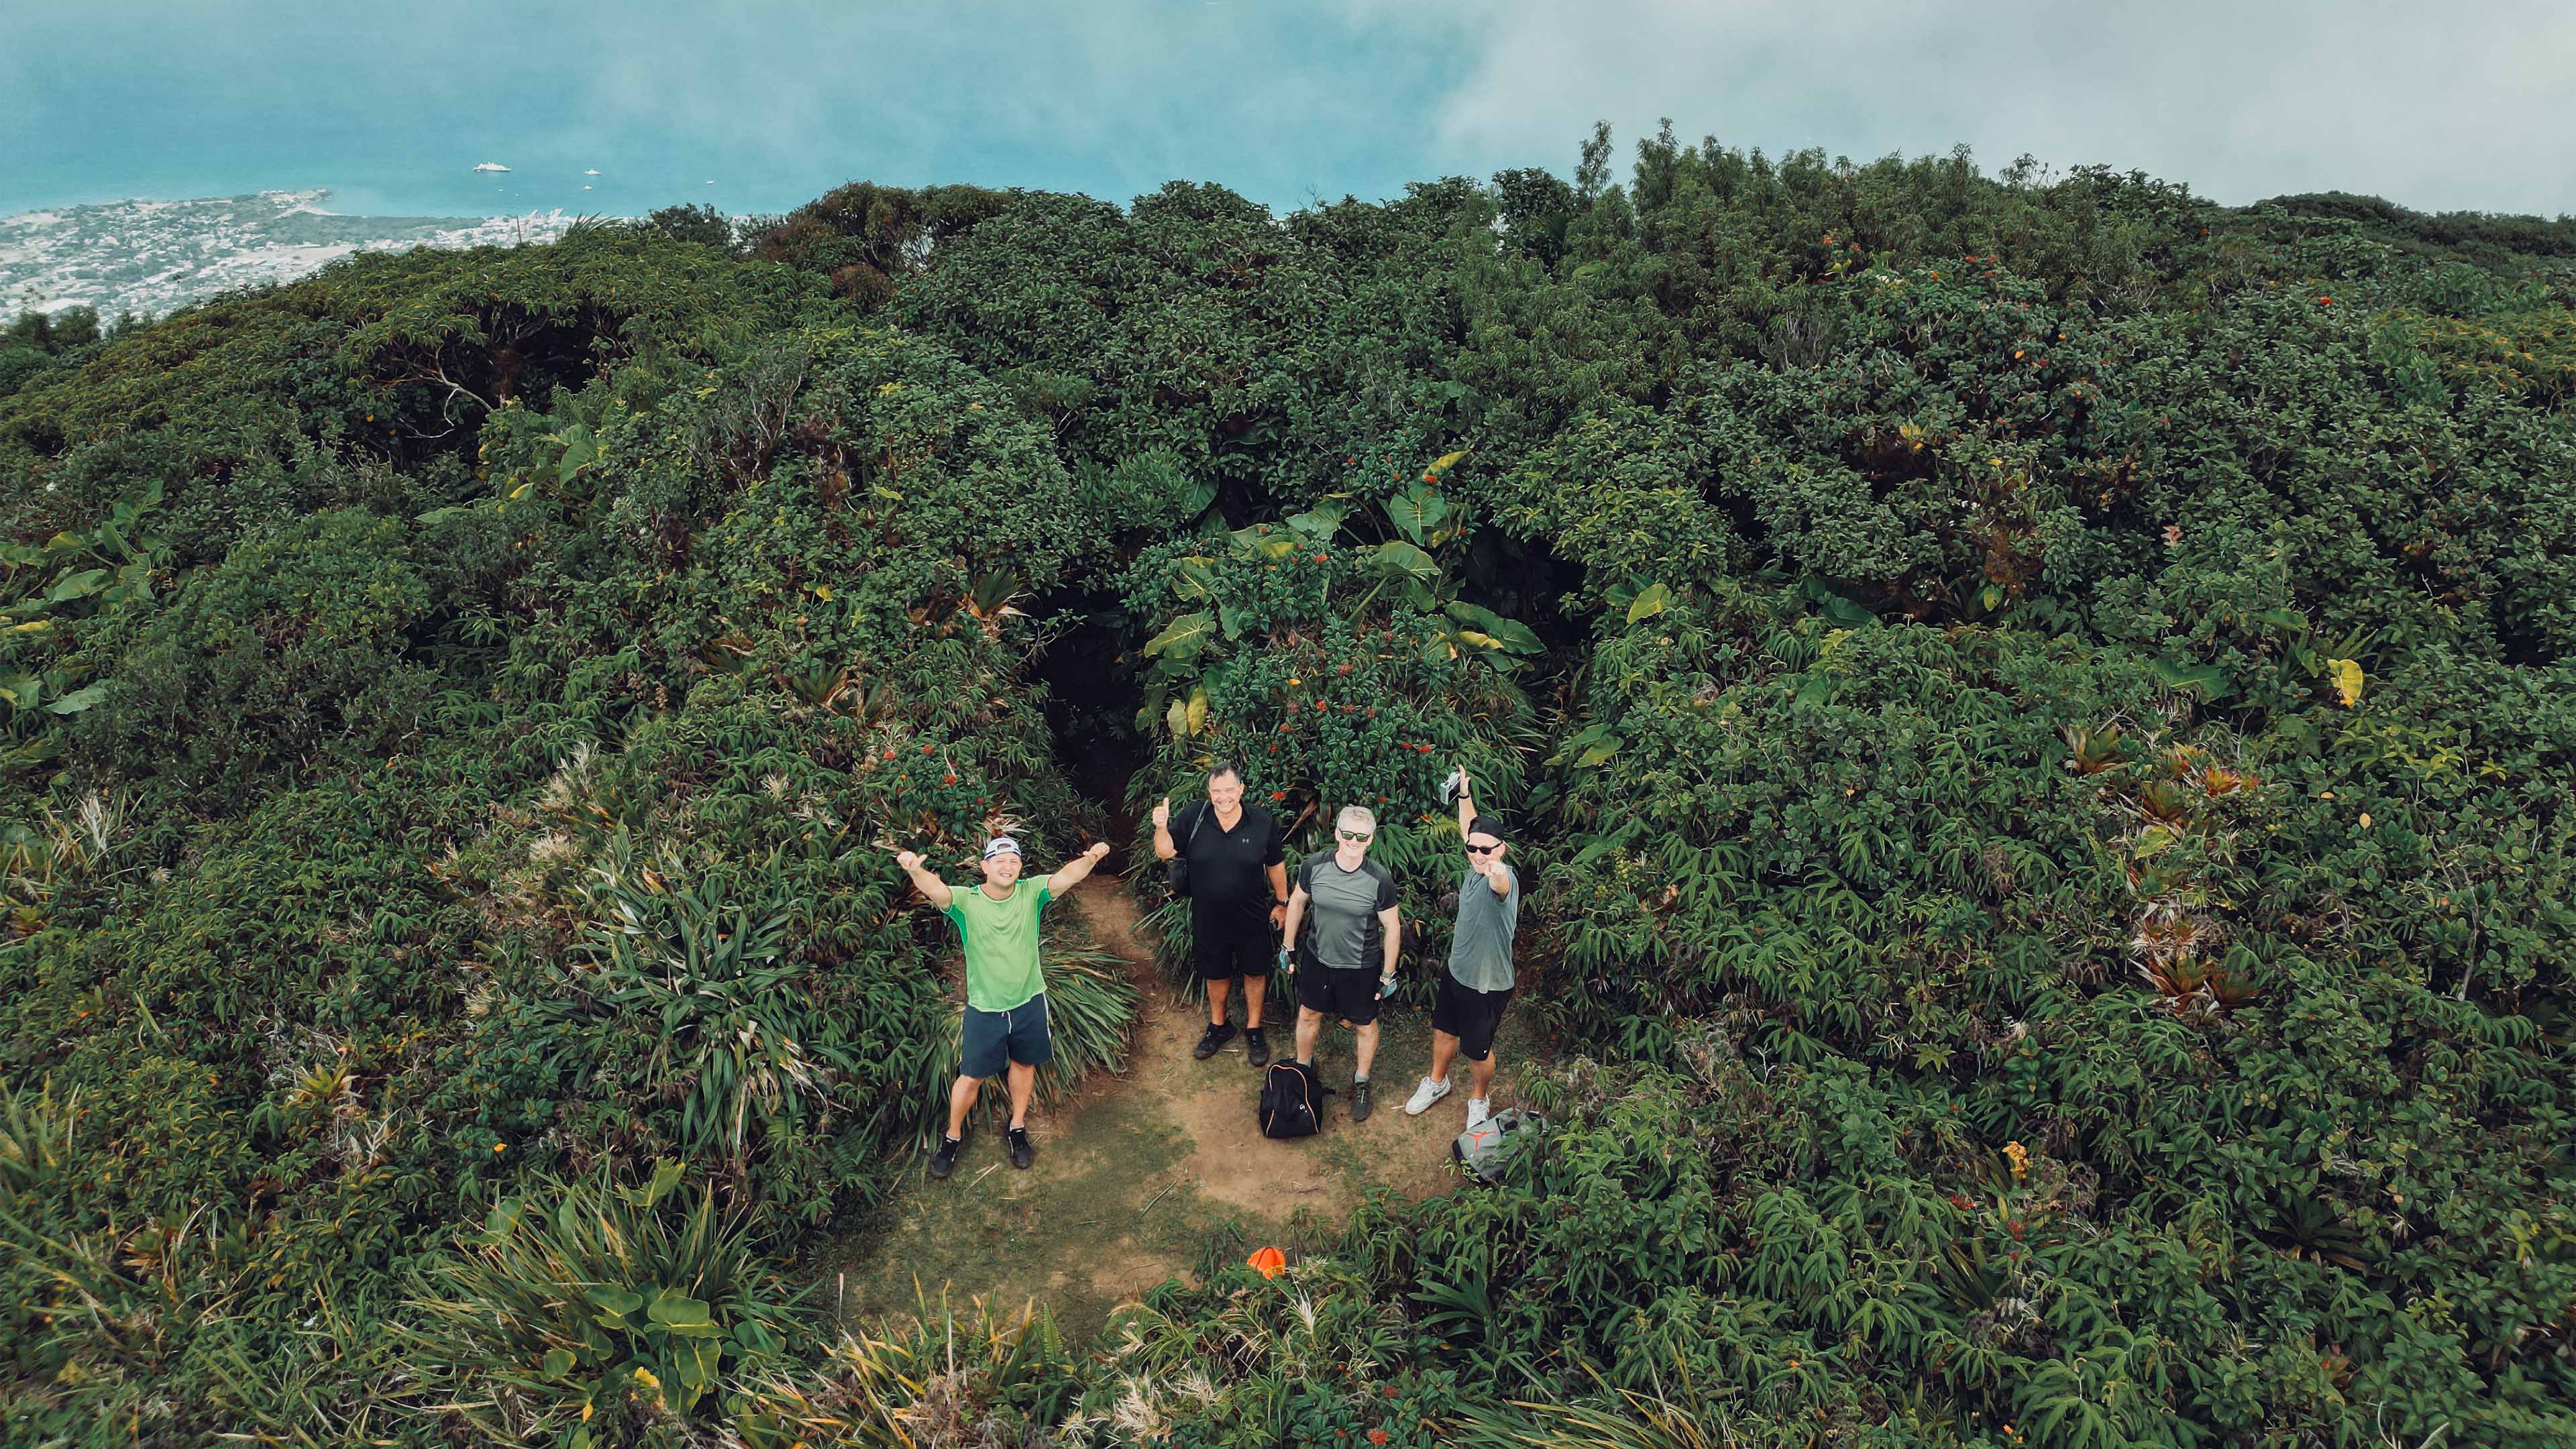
(1098, 849)
(910, 860)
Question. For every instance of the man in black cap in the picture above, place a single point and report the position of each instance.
(1238, 893)
(1478, 984)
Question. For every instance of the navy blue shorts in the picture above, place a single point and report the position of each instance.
(1018, 1036)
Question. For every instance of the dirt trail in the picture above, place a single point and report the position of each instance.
(1143, 1172)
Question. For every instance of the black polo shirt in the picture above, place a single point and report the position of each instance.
(1228, 876)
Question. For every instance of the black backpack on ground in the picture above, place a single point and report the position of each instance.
(1292, 1099)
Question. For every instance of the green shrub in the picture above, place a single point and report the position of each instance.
(574, 1298)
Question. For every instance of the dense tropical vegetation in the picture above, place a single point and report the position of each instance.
(2043, 712)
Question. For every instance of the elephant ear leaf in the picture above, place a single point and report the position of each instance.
(84, 698)
(76, 586)
(1184, 636)
(1417, 511)
(1193, 579)
(698, 1362)
(2210, 680)
(1649, 602)
(1322, 521)
(1398, 557)
(678, 1312)
(615, 1304)
(1508, 634)
(2344, 674)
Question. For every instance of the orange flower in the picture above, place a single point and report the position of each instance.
(1270, 1261)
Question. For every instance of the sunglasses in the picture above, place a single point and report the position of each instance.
(1482, 849)
(1352, 835)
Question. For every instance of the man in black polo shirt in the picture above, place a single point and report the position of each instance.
(1238, 892)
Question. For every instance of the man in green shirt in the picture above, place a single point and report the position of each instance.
(1006, 1006)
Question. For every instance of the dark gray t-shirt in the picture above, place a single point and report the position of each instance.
(1480, 951)
(1343, 930)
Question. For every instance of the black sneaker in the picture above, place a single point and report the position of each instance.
(1359, 1099)
(1023, 1151)
(1217, 1036)
(944, 1161)
(1256, 1046)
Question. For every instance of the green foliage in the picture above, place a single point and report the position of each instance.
(709, 979)
(644, 1301)
(1335, 670)
(2036, 711)
(938, 1377)
(697, 223)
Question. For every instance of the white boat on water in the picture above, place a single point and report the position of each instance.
(491, 166)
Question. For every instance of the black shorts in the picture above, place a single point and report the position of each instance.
(1469, 1015)
(1349, 995)
(1224, 947)
(1019, 1036)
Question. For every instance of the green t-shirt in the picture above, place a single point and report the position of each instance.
(1001, 942)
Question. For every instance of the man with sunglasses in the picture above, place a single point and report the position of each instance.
(1478, 984)
(1349, 957)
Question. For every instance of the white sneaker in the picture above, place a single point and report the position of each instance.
(1423, 1096)
(1478, 1109)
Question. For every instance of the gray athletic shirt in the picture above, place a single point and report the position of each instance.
(1344, 932)
(1480, 952)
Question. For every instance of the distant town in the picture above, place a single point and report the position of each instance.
(149, 258)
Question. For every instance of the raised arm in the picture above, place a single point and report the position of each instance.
(1164, 849)
(1496, 874)
(932, 888)
(1073, 872)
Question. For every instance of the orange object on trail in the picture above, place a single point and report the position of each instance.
(1270, 1261)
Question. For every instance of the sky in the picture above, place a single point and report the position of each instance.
(757, 105)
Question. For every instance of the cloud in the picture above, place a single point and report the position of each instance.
(2455, 106)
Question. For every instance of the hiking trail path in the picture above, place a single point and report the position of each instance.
(1149, 1172)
